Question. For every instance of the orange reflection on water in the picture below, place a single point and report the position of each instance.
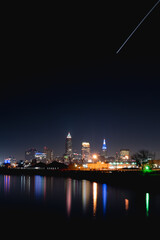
(85, 193)
(126, 204)
(94, 198)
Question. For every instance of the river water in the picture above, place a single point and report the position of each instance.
(45, 199)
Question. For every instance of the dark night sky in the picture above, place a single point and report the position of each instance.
(61, 73)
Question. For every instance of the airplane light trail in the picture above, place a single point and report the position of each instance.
(137, 27)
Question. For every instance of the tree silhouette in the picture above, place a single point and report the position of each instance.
(142, 157)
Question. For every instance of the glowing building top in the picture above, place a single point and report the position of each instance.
(104, 146)
(69, 135)
(104, 149)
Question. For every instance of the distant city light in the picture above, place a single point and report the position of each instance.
(7, 161)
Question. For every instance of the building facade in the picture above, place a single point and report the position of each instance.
(85, 151)
(30, 154)
(124, 154)
(49, 154)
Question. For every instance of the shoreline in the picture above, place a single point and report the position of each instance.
(131, 179)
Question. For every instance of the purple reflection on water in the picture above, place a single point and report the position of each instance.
(6, 183)
(40, 186)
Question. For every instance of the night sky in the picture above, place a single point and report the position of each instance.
(61, 73)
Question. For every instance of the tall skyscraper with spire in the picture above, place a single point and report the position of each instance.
(68, 145)
(104, 149)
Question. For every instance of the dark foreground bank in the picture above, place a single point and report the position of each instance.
(134, 179)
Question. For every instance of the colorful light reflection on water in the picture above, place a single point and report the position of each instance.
(72, 197)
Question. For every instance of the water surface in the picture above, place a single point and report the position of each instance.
(42, 198)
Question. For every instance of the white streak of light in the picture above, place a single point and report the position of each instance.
(137, 27)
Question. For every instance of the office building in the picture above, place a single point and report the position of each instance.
(68, 145)
(124, 154)
(86, 156)
(49, 154)
(30, 154)
(104, 149)
(40, 157)
(68, 149)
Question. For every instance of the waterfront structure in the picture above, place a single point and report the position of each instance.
(124, 154)
(122, 165)
(30, 154)
(98, 166)
(85, 152)
(154, 163)
(104, 149)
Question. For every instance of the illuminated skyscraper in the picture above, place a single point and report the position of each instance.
(124, 154)
(104, 149)
(68, 145)
(86, 151)
(49, 154)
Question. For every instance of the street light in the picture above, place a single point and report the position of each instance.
(94, 157)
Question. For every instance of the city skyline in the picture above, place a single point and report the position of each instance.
(68, 149)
